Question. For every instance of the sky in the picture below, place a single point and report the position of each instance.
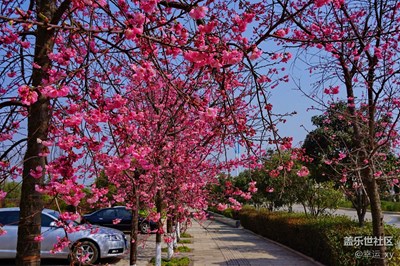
(286, 99)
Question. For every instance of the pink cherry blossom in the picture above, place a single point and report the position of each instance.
(222, 207)
(274, 173)
(132, 33)
(332, 90)
(198, 12)
(3, 194)
(116, 221)
(378, 173)
(342, 156)
(39, 238)
(37, 173)
(319, 3)
(303, 171)
(252, 187)
(256, 53)
(2, 231)
(62, 243)
(168, 239)
(28, 96)
(148, 6)
(282, 32)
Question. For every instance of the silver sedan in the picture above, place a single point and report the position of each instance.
(89, 243)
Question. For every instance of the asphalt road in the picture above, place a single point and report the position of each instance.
(392, 218)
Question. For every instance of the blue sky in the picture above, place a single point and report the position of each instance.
(286, 98)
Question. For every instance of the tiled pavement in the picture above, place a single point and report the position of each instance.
(214, 243)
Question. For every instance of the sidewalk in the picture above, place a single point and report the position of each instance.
(220, 244)
(214, 243)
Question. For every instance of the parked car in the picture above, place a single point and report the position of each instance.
(108, 217)
(95, 242)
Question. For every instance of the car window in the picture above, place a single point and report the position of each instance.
(123, 213)
(107, 214)
(53, 213)
(3, 216)
(46, 220)
(9, 218)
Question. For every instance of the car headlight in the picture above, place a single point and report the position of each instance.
(114, 237)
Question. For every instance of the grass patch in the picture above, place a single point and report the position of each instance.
(184, 261)
(186, 235)
(178, 249)
(183, 249)
(185, 241)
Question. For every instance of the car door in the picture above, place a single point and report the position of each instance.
(126, 219)
(106, 217)
(51, 234)
(8, 241)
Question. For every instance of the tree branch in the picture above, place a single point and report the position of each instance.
(12, 103)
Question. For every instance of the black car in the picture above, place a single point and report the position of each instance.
(109, 216)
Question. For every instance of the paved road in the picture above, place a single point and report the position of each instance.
(392, 218)
(214, 243)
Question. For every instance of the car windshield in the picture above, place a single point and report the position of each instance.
(56, 215)
(53, 213)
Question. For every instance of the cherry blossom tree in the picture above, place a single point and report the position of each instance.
(356, 47)
(69, 70)
(156, 154)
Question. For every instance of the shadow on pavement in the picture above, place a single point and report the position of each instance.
(262, 262)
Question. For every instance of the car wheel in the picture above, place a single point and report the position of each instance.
(145, 228)
(86, 251)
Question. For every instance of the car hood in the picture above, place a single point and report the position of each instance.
(105, 230)
(92, 230)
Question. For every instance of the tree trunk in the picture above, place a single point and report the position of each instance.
(377, 218)
(361, 215)
(172, 240)
(31, 204)
(159, 229)
(134, 230)
(178, 231)
(360, 203)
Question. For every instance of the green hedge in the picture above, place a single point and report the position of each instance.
(391, 206)
(321, 238)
